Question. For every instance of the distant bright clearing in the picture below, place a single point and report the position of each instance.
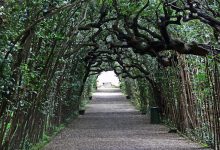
(108, 77)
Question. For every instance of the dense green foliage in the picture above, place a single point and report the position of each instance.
(190, 99)
(42, 74)
(165, 52)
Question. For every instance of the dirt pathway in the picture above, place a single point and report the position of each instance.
(112, 123)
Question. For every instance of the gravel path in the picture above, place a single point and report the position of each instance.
(112, 123)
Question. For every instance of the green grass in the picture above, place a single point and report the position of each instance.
(170, 125)
(46, 138)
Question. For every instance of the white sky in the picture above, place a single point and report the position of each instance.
(108, 76)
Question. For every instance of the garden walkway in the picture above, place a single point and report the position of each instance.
(112, 123)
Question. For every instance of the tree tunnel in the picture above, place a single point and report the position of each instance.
(165, 53)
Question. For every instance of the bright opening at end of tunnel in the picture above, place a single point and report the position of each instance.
(108, 79)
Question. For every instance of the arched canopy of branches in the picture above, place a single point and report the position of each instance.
(52, 50)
